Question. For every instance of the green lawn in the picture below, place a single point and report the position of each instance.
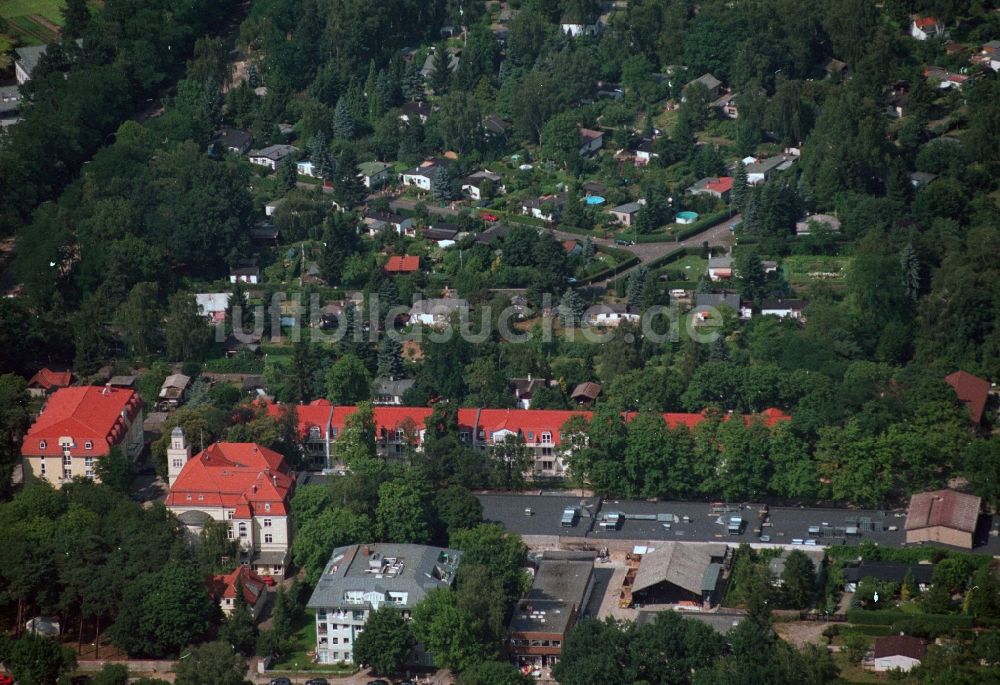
(28, 30)
(806, 269)
(300, 659)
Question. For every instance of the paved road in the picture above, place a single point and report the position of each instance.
(717, 235)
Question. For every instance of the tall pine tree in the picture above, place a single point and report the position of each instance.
(343, 120)
(348, 189)
(390, 358)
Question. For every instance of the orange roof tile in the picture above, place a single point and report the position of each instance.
(972, 391)
(405, 264)
(93, 414)
(48, 379)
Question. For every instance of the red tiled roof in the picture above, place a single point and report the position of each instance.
(535, 421)
(224, 586)
(926, 22)
(235, 475)
(569, 245)
(87, 413)
(406, 264)
(972, 391)
(946, 508)
(48, 379)
(723, 184)
(316, 414)
(900, 645)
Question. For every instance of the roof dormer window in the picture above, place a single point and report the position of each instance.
(41, 444)
(267, 506)
(88, 445)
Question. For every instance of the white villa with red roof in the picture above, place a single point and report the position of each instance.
(76, 427)
(242, 483)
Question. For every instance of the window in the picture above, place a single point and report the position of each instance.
(267, 506)
(546, 466)
(232, 534)
(531, 436)
(201, 498)
(42, 465)
(88, 462)
(229, 515)
(277, 569)
(546, 451)
(178, 463)
(546, 438)
(67, 460)
(268, 539)
(314, 433)
(41, 444)
(267, 523)
(189, 497)
(243, 530)
(67, 473)
(400, 435)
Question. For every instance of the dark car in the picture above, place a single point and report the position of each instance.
(317, 681)
(378, 682)
(281, 681)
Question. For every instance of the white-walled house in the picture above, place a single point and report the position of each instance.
(924, 28)
(243, 484)
(271, 156)
(360, 579)
(897, 653)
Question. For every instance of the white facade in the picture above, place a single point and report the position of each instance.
(896, 662)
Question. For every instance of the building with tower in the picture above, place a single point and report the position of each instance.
(247, 486)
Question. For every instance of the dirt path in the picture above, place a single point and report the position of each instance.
(802, 633)
(54, 28)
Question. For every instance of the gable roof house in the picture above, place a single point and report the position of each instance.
(213, 305)
(46, 381)
(712, 84)
(415, 110)
(407, 264)
(454, 57)
(971, 391)
(246, 273)
(473, 184)
(989, 55)
(762, 170)
(590, 141)
(222, 588)
(233, 140)
(437, 311)
(496, 125)
(272, 155)
(390, 390)
(720, 187)
(241, 483)
(586, 393)
(680, 573)
(888, 571)
(525, 388)
(944, 516)
(380, 221)
(720, 268)
(494, 233)
(625, 214)
(374, 174)
(727, 104)
(897, 652)
(546, 207)
(173, 390)
(26, 60)
(830, 223)
(790, 309)
(422, 175)
(78, 426)
(613, 314)
(10, 105)
(925, 27)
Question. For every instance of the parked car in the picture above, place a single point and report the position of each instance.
(378, 682)
(281, 681)
(489, 217)
(765, 538)
(317, 681)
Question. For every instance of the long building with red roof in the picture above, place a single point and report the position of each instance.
(399, 428)
(246, 485)
(78, 426)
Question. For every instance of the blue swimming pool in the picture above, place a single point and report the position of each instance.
(595, 200)
(687, 217)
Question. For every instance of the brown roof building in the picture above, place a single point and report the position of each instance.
(972, 391)
(944, 516)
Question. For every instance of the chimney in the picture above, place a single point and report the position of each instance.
(107, 389)
(367, 551)
(274, 480)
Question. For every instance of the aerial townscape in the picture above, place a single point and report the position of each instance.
(494, 342)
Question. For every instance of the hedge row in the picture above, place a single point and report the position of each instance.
(700, 225)
(888, 618)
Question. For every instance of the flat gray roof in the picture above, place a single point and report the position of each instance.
(557, 594)
(362, 576)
